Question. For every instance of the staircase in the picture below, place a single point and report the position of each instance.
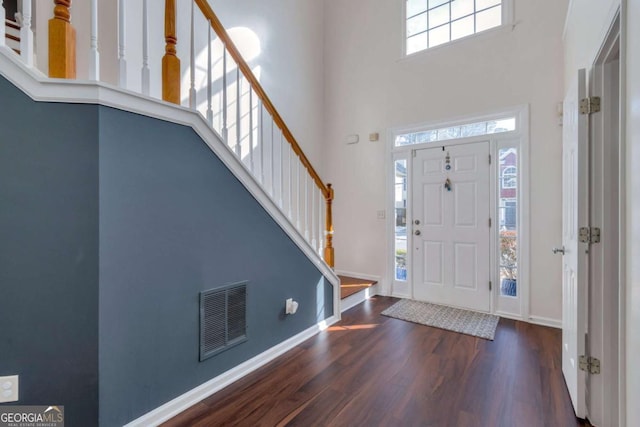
(209, 118)
(219, 85)
(12, 35)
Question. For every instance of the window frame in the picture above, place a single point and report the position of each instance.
(507, 22)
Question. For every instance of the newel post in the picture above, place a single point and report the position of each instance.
(62, 42)
(328, 249)
(170, 61)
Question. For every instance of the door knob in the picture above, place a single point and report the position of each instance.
(417, 232)
(558, 250)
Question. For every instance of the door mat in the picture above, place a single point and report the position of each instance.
(439, 316)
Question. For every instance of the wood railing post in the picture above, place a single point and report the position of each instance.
(328, 248)
(62, 42)
(170, 61)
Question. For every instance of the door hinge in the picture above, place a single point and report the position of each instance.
(413, 153)
(589, 364)
(489, 158)
(589, 235)
(489, 222)
(490, 285)
(590, 105)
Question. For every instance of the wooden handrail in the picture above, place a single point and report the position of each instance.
(217, 26)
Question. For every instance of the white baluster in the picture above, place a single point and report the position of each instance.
(290, 151)
(298, 198)
(261, 142)
(122, 62)
(26, 34)
(306, 205)
(146, 73)
(192, 63)
(281, 172)
(3, 27)
(273, 155)
(320, 222)
(209, 77)
(225, 131)
(238, 114)
(251, 165)
(94, 56)
(313, 214)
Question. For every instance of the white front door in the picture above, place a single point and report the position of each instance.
(451, 230)
(575, 210)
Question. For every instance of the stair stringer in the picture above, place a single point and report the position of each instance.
(43, 89)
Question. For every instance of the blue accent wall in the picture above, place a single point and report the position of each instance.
(49, 252)
(111, 224)
(174, 222)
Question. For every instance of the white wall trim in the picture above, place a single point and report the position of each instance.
(193, 396)
(45, 89)
(546, 321)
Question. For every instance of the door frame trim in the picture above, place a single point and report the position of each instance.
(519, 138)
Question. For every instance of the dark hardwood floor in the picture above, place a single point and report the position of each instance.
(371, 370)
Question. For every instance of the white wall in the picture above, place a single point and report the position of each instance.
(290, 34)
(633, 211)
(368, 88)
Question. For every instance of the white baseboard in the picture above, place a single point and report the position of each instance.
(190, 398)
(546, 321)
(355, 299)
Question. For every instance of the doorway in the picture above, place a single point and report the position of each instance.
(487, 271)
(593, 237)
(451, 225)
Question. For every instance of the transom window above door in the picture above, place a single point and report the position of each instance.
(463, 130)
(431, 23)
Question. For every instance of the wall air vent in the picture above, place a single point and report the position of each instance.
(223, 319)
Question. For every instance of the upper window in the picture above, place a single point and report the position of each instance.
(434, 22)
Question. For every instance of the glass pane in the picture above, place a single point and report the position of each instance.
(417, 24)
(508, 221)
(416, 6)
(485, 4)
(460, 8)
(449, 133)
(438, 16)
(488, 19)
(473, 129)
(435, 3)
(462, 28)
(439, 36)
(417, 43)
(504, 125)
(400, 200)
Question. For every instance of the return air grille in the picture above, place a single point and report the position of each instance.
(223, 319)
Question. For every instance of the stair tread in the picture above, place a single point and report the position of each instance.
(353, 285)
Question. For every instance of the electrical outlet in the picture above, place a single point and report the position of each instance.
(9, 389)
